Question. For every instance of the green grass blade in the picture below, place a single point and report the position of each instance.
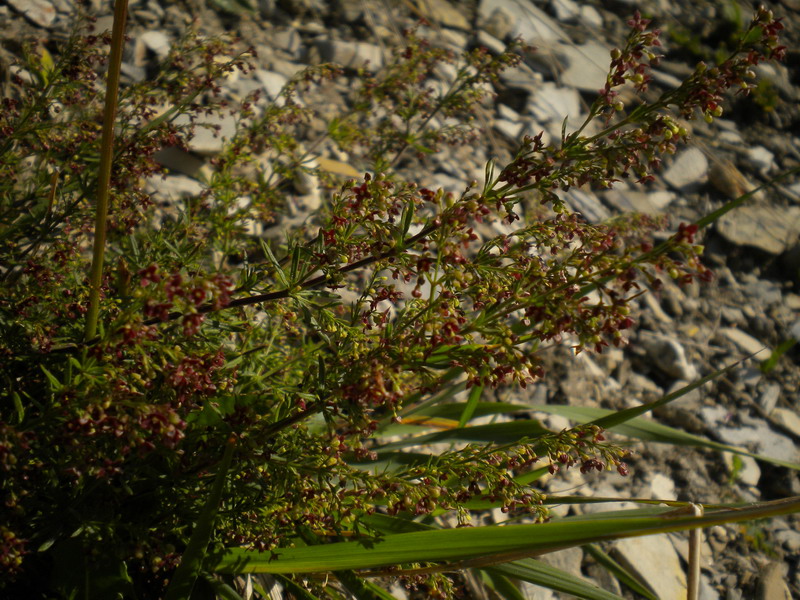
(502, 585)
(221, 589)
(189, 569)
(480, 546)
(618, 571)
(298, 591)
(527, 570)
(769, 364)
(498, 433)
(614, 418)
(650, 431)
(539, 573)
(472, 403)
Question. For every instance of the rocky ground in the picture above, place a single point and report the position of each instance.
(751, 307)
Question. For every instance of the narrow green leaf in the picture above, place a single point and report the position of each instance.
(472, 403)
(477, 546)
(768, 365)
(498, 433)
(221, 589)
(18, 406)
(296, 590)
(540, 573)
(614, 418)
(650, 431)
(361, 589)
(618, 571)
(526, 570)
(189, 568)
(295, 265)
(502, 585)
(55, 384)
(275, 264)
(405, 222)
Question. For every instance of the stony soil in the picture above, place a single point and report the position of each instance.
(681, 333)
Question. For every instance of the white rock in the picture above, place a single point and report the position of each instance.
(445, 13)
(173, 187)
(272, 82)
(527, 21)
(757, 435)
(156, 41)
(586, 65)
(585, 203)
(787, 418)
(761, 159)
(768, 228)
(355, 55)
(668, 355)
(565, 10)
(552, 103)
(748, 471)
(746, 343)
(688, 171)
(492, 43)
(769, 397)
(38, 12)
(662, 487)
(210, 141)
(649, 203)
(509, 129)
(590, 16)
(654, 560)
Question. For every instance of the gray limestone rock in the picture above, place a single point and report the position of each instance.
(519, 18)
(211, 133)
(38, 12)
(668, 355)
(688, 171)
(627, 200)
(767, 228)
(354, 55)
(746, 343)
(654, 559)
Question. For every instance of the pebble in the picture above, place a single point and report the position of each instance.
(445, 13)
(668, 355)
(565, 10)
(788, 418)
(628, 200)
(552, 103)
(746, 343)
(156, 41)
(761, 159)
(770, 229)
(587, 204)
(772, 583)
(586, 66)
(354, 55)
(38, 12)
(769, 397)
(747, 472)
(655, 562)
(210, 141)
(521, 19)
(688, 171)
(272, 82)
(591, 16)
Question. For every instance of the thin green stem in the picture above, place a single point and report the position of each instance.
(104, 175)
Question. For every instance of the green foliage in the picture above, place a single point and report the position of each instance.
(238, 405)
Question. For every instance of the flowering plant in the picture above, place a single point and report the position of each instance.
(229, 403)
